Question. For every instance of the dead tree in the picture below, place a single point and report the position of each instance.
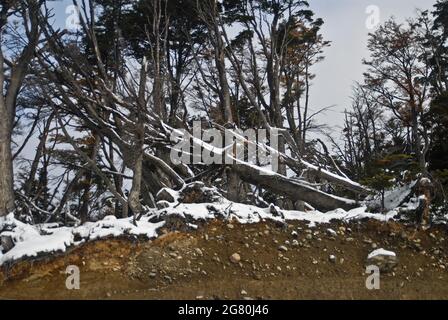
(12, 74)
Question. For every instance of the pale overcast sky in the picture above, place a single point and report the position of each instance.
(345, 26)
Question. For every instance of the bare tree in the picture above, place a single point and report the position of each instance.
(13, 71)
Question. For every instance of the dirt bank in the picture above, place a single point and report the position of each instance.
(277, 262)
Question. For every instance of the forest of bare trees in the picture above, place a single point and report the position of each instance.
(88, 114)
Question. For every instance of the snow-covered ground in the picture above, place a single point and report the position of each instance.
(33, 240)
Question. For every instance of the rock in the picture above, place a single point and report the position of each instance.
(282, 249)
(230, 226)
(385, 260)
(332, 233)
(152, 275)
(275, 211)
(198, 251)
(332, 258)
(6, 243)
(243, 292)
(295, 243)
(197, 192)
(309, 237)
(235, 258)
(162, 204)
(294, 234)
(166, 195)
(257, 277)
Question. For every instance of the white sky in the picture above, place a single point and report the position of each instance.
(345, 26)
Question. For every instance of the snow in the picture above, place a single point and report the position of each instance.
(395, 197)
(244, 213)
(381, 252)
(331, 174)
(31, 241)
(34, 240)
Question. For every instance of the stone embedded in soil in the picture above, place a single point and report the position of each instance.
(332, 258)
(385, 260)
(235, 258)
(282, 249)
(331, 232)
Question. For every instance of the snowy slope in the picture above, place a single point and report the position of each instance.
(31, 241)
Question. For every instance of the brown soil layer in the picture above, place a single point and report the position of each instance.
(196, 265)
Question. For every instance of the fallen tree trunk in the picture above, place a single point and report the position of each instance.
(294, 190)
(336, 179)
(277, 183)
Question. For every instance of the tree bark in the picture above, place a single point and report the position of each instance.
(295, 191)
(6, 168)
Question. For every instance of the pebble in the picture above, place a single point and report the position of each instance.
(235, 258)
(282, 248)
(332, 233)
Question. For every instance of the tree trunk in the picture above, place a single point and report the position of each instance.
(294, 190)
(6, 169)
